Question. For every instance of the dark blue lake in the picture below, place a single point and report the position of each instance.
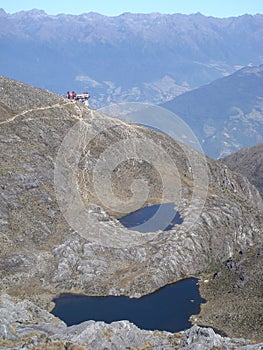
(153, 218)
(167, 309)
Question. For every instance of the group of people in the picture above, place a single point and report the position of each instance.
(84, 97)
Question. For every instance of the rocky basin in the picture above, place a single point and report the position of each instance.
(45, 253)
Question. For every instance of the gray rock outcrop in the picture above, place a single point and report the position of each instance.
(248, 162)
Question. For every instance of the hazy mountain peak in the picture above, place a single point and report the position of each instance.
(34, 13)
(257, 70)
(226, 114)
(92, 14)
(37, 12)
(128, 57)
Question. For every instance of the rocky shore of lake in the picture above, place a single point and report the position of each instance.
(26, 326)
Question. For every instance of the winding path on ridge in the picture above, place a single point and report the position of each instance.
(57, 105)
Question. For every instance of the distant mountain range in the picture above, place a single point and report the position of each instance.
(227, 114)
(131, 57)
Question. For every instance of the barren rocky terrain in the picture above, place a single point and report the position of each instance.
(43, 254)
(248, 162)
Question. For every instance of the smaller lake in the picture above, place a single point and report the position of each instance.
(167, 309)
(153, 218)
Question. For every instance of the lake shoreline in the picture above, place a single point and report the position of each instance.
(183, 297)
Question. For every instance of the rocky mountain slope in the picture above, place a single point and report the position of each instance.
(42, 255)
(131, 57)
(248, 162)
(226, 114)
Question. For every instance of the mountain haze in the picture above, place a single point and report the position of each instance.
(227, 114)
(131, 57)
